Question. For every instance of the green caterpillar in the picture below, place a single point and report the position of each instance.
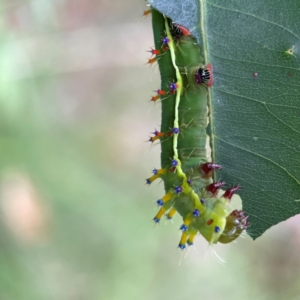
(187, 169)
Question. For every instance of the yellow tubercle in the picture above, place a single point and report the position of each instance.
(161, 171)
(171, 213)
(157, 174)
(167, 197)
(184, 237)
(154, 138)
(159, 214)
(191, 237)
(187, 221)
(152, 178)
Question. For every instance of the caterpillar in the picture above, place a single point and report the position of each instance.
(186, 167)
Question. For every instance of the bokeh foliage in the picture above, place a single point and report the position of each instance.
(75, 213)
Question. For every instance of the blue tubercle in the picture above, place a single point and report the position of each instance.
(196, 213)
(160, 202)
(175, 130)
(217, 229)
(183, 227)
(181, 246)
(178, 189)
(174, 163)
(165, 40)
(173, 86)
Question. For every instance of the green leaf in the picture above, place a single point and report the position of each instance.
(254, 47)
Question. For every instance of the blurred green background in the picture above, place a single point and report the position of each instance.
(75, 213)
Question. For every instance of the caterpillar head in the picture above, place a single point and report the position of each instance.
(217, 223)
(236, 223)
